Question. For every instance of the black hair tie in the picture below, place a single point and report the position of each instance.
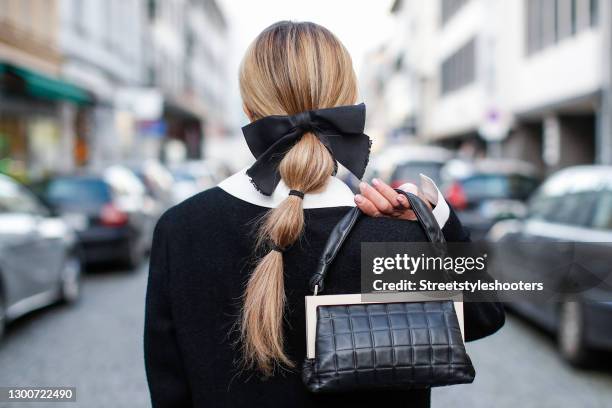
(277, 248)
(297, 193)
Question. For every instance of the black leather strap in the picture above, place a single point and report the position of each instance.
(338, 235)
(426, 219)
(334, 242)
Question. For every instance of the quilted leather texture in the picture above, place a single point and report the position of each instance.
(387, 346)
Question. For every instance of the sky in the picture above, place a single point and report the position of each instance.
(361, 25)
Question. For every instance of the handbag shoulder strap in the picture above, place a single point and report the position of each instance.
(342, 229)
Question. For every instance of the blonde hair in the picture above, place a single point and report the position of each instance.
(291, 67)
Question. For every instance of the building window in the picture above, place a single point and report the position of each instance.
(583, 14)
(78, 16)
(152, 9)
(399, 63)
(550, 21)
(450, 8)
(532, 19)
(459, 69)
(566, 19)
(594, 11)
(573, 17)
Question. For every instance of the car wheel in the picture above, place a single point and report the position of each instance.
(71, 279)
(571, 334)
(133, 257)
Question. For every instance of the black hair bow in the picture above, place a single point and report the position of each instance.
(340, 129)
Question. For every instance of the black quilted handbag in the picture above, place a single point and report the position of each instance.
(383, 346)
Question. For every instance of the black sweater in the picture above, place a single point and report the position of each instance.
(200, 262)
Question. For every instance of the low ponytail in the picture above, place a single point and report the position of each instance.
(306, 167)
(291, 67)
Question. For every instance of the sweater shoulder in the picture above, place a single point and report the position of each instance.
(369, 229)
(209, 205)
(207, 200)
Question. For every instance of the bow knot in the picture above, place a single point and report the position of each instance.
(340, 129)
(302, 121)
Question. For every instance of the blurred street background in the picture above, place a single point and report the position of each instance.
(111, 111)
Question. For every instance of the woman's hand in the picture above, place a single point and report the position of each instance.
(380, 200)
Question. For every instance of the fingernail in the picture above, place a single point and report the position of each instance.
(376, 181)
(358, 199)
(401, 198)
(362, 186)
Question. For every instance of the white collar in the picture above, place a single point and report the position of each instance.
(335, 194)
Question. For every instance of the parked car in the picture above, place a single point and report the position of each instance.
(39, 258)
(192, 177)
(574, 205)
(415, 160)
(111, 213)
(399, 164)
(487, 191)
(158, 182)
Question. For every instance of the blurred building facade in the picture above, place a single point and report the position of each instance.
(524, 79)
(394, 77)
(80, 81)
(37, 107)
(101, 42)
(188, 43)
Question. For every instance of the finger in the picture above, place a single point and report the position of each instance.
(366, 206)
(386, 191)
(411, 188)
(403, 201)
(382, 204)
(406, 213)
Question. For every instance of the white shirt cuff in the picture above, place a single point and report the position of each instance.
(429, 189)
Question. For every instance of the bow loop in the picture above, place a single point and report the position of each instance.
(340, 129)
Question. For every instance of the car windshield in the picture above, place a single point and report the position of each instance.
(78, 191)
(409, 172)
(498, 186)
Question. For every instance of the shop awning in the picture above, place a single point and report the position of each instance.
(44, 87)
